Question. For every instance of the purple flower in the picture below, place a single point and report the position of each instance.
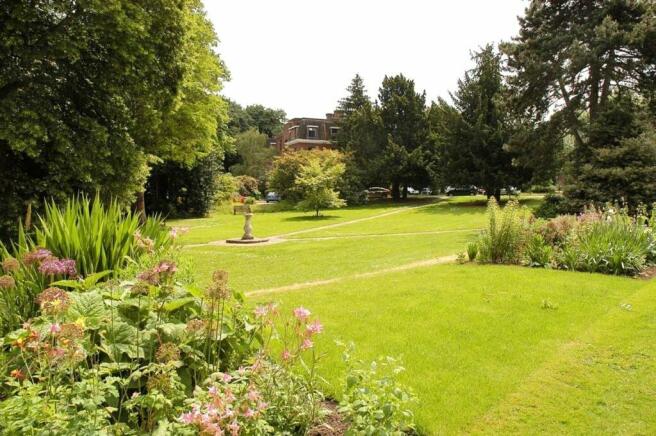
(301, 313)
(53, 266)
(36, 256)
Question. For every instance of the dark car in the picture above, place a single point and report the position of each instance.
(377, 192)
(461, 190)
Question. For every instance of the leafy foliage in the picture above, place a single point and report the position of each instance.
(506, 236)
(309, 178)
(374, 402)
(99, 240)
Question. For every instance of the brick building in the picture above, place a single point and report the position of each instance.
(308, 133)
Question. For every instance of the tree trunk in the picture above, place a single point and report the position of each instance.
(497, 194)
(405, 192)
(140, 207)
(28, 216)
(396, 195)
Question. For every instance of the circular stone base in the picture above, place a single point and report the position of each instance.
(247, 241)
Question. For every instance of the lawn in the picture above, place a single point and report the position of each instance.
(223, 225)
(482, 353)
(488, 349)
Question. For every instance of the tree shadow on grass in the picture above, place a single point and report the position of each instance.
(311, 218)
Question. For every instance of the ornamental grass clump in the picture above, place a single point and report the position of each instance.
(508, 230)
(81, 239)
(609, 242)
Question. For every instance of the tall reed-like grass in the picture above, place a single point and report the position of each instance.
(614, 243)
(506, 235)
(98, 237)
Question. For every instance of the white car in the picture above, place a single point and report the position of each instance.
(412, 191)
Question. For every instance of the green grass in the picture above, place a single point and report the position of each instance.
(300, 261)
(222, 225)
(476, 338)
(488, 349)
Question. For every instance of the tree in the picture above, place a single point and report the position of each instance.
(572, 58)
(308, 177)
(404, 121)
(317, 181)
(255, 155)
(473, 134)
(362, 138)
(90, 92)
(193, 135)
(266, 120)
(356, 99)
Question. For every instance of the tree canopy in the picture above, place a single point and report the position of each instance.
(92, 92)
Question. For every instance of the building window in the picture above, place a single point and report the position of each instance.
(333, 132)
(312, 132)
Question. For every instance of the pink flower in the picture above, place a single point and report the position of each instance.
(234, 427)
(241, 371)
(7, 282)
(249, 413)
(315, 327)
(178, 231)
(252, 395)
(307, 344)
(188, 418)
(227, 378)
(286, 355)
(212, 391)
(38, 255)
(301, 313)
(261, 406)
(260, 312)
(55, 328)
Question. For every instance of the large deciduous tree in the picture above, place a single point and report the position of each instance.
(574, 65)
(92, 92)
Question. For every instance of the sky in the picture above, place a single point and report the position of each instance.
(300, 55)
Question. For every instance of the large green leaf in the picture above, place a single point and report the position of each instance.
(120, 339)
(88, 307)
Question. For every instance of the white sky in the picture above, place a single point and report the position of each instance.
(300, 55)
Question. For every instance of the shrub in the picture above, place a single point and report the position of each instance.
(506, 235)
(556, 231)
(247, 186)
(608, 242)
(175, 189)
(538, 252)
(552, 206)
(374, 402)
(472, 251)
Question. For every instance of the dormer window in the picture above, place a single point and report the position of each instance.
(312, 132)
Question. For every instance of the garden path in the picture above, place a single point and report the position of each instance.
(314, 283)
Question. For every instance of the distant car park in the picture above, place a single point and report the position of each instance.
(452, 191)
(512, 190)
(426, 191)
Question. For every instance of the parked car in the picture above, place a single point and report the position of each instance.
(377, 192)
(272, 197)
(512, 190)
(426, 191)
(412, 191)
(461, 190)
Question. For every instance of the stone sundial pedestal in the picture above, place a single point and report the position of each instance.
(248, 237)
